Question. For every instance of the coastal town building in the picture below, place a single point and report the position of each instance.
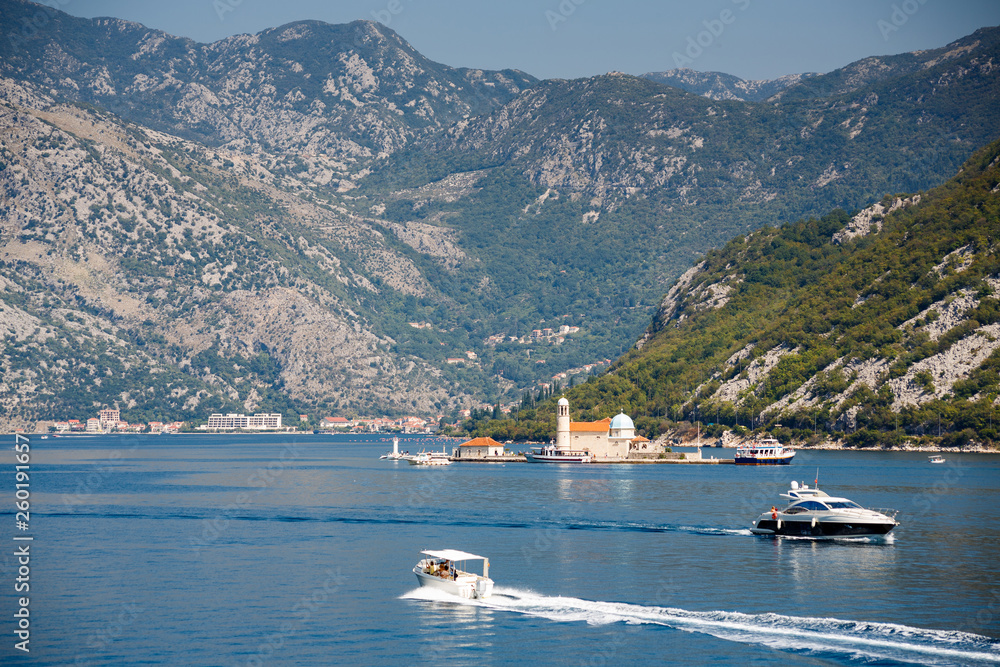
(109, 418)
(259, 422)
(335, 422)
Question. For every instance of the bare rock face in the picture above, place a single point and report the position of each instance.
(352, 92)
(114, 237)
(869, 221)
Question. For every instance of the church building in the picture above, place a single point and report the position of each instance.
(608, 439)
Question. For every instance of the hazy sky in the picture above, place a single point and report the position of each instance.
(753, 39)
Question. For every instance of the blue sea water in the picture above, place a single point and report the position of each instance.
(268, 549)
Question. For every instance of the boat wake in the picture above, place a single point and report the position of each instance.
(388, 518)
(819, 637)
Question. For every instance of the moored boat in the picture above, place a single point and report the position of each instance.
(552, 454)
(762, 452)
(429, 459)
(814, 513)
(441, 570)
(395, 454)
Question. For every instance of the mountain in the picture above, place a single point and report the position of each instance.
(869, 71)
(178, 280)
(341, 93)
(875, 328)
(720, 86)
(264, 242)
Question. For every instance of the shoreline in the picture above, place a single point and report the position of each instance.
(833, 445)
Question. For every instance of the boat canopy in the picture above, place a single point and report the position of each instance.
(452, 554)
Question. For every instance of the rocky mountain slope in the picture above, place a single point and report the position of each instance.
(316, 218)
(341, 94)
(869, 71)
(721, 86)
(176, 279)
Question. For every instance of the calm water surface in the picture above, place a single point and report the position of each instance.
(248, 550)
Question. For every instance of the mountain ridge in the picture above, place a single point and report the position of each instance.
(353, 279)
(722, 86)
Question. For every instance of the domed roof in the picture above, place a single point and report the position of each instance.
(621, 421)
(563, 401)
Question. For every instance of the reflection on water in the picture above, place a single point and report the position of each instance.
(860, 562)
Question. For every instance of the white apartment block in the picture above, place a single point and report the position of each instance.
(259, 421)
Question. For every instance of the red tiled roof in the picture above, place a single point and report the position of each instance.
(481, 442)
(590, 427)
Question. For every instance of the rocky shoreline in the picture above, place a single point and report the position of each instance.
(711, 443)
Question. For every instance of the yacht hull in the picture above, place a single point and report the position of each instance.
(820, 528)
(556, 458)
(468, 586)
(782, 460)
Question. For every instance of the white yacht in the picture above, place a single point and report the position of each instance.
(936, 458)
(429, 459)
(443, 570)
(552, 454)
(763, 452)
(813, 513)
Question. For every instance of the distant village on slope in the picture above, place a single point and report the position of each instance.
(109, 420)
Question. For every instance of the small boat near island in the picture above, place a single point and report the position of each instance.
(441, 570)
(814, 513)
(552, 454)
(762, 452)
(429, 459)
(935, 458)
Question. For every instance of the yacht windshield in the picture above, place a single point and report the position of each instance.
(844, 504)
(811, 505)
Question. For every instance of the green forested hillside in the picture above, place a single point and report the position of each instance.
(889, 335)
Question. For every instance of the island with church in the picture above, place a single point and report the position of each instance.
(610, 440)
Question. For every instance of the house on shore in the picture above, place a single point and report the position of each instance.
(479, 448)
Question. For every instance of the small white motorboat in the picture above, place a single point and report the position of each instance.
(429, 459)
(813, 513)
(441, 570)
(936, 458)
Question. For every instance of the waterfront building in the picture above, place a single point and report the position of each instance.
(259, 422)
(479, 448)
(608, 439)
(109, 418)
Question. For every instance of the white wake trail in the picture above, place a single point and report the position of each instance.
(856, 639)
